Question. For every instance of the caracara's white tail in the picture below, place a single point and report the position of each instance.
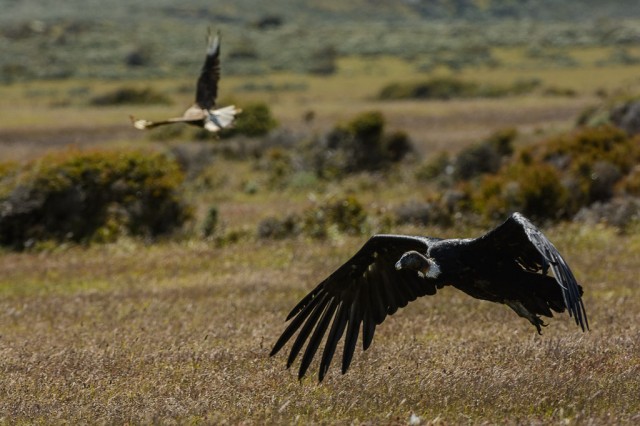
(221, 118)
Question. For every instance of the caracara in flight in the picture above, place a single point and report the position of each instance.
(507, 265)
(202, 112)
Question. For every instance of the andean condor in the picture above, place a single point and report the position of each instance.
(506, 265)
(201, 113)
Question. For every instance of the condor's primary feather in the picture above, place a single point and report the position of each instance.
(507, 265)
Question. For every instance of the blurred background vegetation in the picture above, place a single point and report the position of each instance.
(411, 113)
(114, 40)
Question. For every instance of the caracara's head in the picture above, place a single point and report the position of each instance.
(139, 124)
(418, 262)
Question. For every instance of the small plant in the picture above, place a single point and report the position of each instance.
(274, 228)
(336, 215)
(210, 224)
(434, 167)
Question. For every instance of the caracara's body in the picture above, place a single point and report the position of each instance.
(507, 265)
(202, 112)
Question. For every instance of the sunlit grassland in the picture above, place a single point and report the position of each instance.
(181, 332)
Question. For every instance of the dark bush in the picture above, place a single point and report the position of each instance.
(338, 214)
(476, 160)
(210, 225)
(436, 88)
(450, 88)
(86, 197)
(619, 212)
(435, 166)
(130, 95)
(360, 145)
(597, 157)
(630, 185)
(397, 145)
(275, 228)
(255, 120)
(502, 140)
(423, 213)
(323, 61)
(535, 190)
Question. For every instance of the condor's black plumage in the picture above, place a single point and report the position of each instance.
(507, 265)
(201, 113)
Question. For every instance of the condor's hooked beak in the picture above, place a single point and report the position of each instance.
(418, 262)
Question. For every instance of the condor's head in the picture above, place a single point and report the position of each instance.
(418, 262)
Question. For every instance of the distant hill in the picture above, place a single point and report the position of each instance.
(243, 11)
(114, 39)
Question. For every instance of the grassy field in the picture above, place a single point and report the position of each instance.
(179, 331)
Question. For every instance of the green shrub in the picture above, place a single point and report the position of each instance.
(336, 214)
(631, 183)
(210, 225)
(502, 140)
(434, 167)
(255, 120)
(274, 228)
(450, 88)
(360, 144)
(323, 61)
(96, 196)
(476, 160)
(435, 88)
(535, 190)
(598, 157)
(131, 95)
(278, 163)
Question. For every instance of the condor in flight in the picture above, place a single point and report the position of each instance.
(506, 265)
(201, 113)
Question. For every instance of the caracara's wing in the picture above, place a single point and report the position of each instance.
(143, 124)
(194, 114)
(362, 291)
(207, 89)
(518, 240)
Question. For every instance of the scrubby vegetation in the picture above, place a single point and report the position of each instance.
(86, 197)
(255, 120)
(331, 216)
(451, 87)
(177, 329)
(359, 144)
(549, 180)
(131, 95)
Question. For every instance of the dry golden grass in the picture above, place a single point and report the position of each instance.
(173, 332)
(179, 332)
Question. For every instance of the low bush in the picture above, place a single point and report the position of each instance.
(91, 197)
(444, 88)
(255, 120)
(360, 144)
(555, 178)
(333, 215)
(337, 214)
(274, 228)
(536, 190)
(131, 95)
(485, 157)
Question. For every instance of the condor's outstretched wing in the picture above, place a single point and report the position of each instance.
(518, 240)
(207, 88)
(362, 291)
